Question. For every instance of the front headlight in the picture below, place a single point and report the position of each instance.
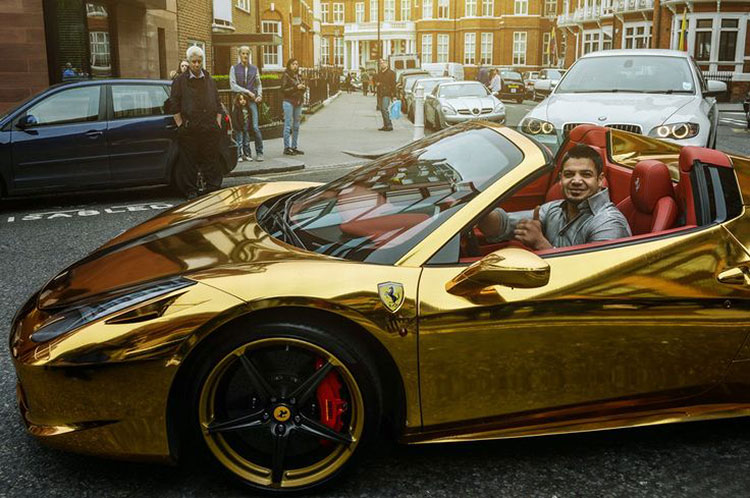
(500, 107)
(534, 126)
(447, 109)
(677, 131)
(75, 317)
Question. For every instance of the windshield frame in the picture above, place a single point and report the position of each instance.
(560, 87)
(476, 84)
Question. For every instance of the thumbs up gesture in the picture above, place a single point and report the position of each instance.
(530, 232)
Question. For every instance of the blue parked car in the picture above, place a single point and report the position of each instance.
(92, 134)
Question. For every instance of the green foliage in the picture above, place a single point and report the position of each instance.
(222, 80)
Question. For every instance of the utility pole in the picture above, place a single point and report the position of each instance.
(380, 49)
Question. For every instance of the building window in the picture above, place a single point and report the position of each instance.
(519, 48)
(338, 13)
(359, 12)
(703, 39)
(243, 5)
(442, 48)
(728, 40)
(325, 51)
(488, 6)
(426, 48)
(324, 13)
(443, 7)
(389, 10)
(486, 52)
(99, 43)
(591, 41)
(545, 50)
(636, 35)
(272, 54)
(471, 8)
(405, 10)
(374, 10)
(550, 7)
(426, 9)
(470, 48)
(521, 7)
(338, 51)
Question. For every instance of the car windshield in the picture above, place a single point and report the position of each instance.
(411, 80)
(629, 74)
(468, 90)
(430, 84)
(510, 75)
(382, 210)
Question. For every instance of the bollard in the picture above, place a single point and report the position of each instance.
(418, 112)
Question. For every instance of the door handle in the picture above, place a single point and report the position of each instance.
(171, 127)
(739, 275)
(94, 134)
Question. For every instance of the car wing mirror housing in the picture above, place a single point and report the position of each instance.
(510, 267)
(715, 88)
(543, 85)
(26, 121)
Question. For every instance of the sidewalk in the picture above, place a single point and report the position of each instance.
(349, 122)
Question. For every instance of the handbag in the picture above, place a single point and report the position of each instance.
(395, 110)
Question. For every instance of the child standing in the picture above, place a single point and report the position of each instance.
(241, 126)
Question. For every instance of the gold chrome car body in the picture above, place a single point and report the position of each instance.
(646, 332)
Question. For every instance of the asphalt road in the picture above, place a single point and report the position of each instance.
(38, 238)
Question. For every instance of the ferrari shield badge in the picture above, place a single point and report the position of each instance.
(392, 295)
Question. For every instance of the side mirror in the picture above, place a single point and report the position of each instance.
(26, 122)
(543, 85)
(511, 267)
(715, 88)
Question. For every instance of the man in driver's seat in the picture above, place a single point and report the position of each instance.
(586, 214)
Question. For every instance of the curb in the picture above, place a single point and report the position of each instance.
(291, 165)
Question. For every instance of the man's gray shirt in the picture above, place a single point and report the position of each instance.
(235, 87)
(597, 219)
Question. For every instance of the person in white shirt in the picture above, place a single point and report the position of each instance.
(496, 83)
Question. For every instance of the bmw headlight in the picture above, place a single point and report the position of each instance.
(75, 317)
(447, 109)
(677, 131)
(534, 126)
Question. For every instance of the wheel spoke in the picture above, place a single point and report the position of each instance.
(306, 389)
(259, 382)
(279, 452)
(248, 421)
(314, 428)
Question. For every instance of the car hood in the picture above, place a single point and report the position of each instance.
(647, 110)
(215, 230)
(469, 102)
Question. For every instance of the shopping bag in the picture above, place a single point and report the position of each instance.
(395, 110)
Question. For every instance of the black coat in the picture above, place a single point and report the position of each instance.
(387, 86)
(289, 82)
(183, 100)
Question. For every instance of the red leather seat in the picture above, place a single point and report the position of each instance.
(651, 206)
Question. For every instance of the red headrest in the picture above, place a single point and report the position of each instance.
(690, 154)
(649, 183)
(590, 135)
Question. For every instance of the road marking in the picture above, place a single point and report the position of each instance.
(733, 122)
(86, 212)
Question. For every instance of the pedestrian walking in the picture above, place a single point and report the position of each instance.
(181, 68)
(496, 83)
(194, 102)
(294, 94)
(365, 82)
(245, 78)
(348, 83)
(241, 126)
(386, 84)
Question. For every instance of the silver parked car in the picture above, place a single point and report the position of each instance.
(428, 84)
(455, 102)
(659, 93)
(545, 82)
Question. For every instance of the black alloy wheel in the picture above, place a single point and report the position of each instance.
(284, 407)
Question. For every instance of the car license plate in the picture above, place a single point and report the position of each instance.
(512, 90)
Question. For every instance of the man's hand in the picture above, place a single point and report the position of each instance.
(529, 232)
(251, 95)
(258, 99)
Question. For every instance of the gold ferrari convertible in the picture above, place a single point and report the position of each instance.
(277, 329)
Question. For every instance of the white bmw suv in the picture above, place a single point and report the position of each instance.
(659, 93)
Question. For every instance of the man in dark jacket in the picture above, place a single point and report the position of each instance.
(385, 81)
(195, 103)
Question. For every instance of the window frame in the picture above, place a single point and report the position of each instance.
(488, 8)
(427, 9)
(111, 100)
(359, 12)
(520, 7)
(447, 39)
(101, 115)
(426, 56)
(486, 57)
(339, 13)
(325, 16)
(443, 7)
(521, 60)
(470, 48)
(279, 56)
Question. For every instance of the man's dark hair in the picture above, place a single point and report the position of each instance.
(582, 151)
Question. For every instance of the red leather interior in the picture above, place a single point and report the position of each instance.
(377, 226)
(651, 206)
(690, 154)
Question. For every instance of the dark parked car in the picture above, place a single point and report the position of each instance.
(512, 87)
(746, 108)
(92, 134)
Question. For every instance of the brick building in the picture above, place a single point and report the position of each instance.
(293, 22)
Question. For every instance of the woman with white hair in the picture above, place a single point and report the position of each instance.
(195, 103)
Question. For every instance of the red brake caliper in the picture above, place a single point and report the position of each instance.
(332, 407)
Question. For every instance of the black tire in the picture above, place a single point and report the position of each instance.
(271, 376)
